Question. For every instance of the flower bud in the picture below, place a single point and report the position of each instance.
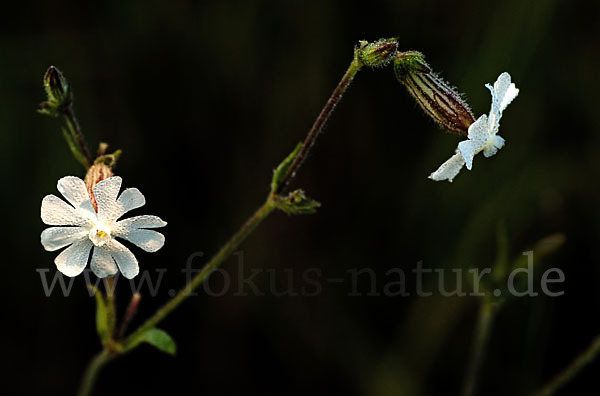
(377, 54)
(440, 101)
(97, 172)
(57, 88)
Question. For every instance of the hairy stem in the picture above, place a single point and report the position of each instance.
(571, 371)
(487, 312)
(319, 123)
(229, 248)
(92, 371)
(260, 214)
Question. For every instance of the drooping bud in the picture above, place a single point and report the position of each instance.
(438, 99)
(377, 54)
(58, 92)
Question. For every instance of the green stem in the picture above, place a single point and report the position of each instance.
(216, 261)
(319, 123)
(111, 310)
(260, 214)
(565, 376)
(85, 157)
(487, 312)
(229, 248)
(130, 342)
(91, 373)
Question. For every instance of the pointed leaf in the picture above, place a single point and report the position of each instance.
(160, 339)
(281, 171)
(102, 325)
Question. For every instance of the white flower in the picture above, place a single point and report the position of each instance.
(482, 133)
(84, 230)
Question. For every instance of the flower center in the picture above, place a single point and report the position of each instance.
(100, 235)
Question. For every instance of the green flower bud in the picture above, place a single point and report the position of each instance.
(438, 99)
(58, 93)
(57, 87)
(377, 54)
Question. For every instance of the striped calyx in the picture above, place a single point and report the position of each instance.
(96, 174)
(438, 99)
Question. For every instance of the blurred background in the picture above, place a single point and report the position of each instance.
(205, 98)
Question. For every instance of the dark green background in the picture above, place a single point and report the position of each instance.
(205, 98)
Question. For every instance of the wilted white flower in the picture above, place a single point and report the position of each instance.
(482, 133)
(86, 231)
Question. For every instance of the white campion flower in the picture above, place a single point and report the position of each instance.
(85, 230)
(483, 133)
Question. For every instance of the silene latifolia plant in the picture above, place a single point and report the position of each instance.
(90, 226)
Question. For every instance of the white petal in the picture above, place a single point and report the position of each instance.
(106, 192)
(496, 144)
(144, 221)
(150, 241)
(449, 169)
(55, 238)
(132, 230)
(503, 92)
(511, 93)
(479, 132)
(126, 261)
(75, 191)
(55, 211)
(73, 259)
(468, 149)
(103, 264)
(479, 136)
(131, 199)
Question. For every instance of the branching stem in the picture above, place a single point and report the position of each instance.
(131, 341)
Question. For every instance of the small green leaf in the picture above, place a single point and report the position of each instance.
(296, 202)
(48, 108)
(281, 171)
(109, 160)
(158, 339)
(102, 326)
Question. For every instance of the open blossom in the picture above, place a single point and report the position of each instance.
(482, 134)
(86, 231)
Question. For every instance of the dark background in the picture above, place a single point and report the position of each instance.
(205, 98)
